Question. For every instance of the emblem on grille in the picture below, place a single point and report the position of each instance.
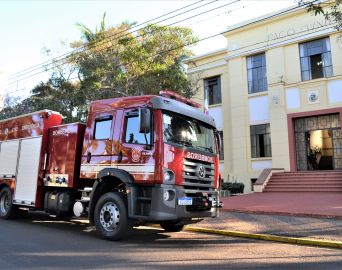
(200, 171)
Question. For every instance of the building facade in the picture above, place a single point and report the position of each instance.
(1, 91)
(275, 92)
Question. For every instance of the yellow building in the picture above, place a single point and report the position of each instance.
(276, 94)
(2, 81)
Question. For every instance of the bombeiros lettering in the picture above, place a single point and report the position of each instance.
(61, 132)
(30, 126)
(199, 157)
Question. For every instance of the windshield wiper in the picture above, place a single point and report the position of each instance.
(210, 149)
(185, 143)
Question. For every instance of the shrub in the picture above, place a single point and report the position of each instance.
(234, 188)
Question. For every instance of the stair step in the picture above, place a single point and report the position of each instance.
(302, 188)
(306, 176)
(306, 179)
(332, 191)
(311, 181)
(310, 172)
(305, 188)
(305, 184)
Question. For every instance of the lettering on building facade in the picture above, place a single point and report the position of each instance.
(298, 30)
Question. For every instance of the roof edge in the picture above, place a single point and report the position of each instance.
(205, 55)
(288, 11)
(32, 113)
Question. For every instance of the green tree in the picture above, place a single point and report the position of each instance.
(330, 9)
(59, 95)
(113, 62)
(118, 63)
(15, 106)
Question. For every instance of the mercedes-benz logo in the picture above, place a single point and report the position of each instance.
(201, 171)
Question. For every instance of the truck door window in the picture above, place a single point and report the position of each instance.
(132, 134)
(102, 128)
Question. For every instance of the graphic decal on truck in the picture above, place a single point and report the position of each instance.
(131, 168)
(16, 128)
(136, 154)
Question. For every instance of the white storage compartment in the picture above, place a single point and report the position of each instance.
(27, 175)
(8, 158)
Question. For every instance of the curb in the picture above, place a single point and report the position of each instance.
(260, 212)
(267, 237)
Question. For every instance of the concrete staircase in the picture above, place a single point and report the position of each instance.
(312, 181)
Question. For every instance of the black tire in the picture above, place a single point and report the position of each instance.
(7, 209)
(110, 216)
(170, 226)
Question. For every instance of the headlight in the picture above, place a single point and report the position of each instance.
(168, 195)
(169, 176)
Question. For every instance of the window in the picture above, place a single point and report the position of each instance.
(256, 73)
(261, 141)
(212, 90)
(315, 59)
(132, 131)
(102, 128)
(221, 150)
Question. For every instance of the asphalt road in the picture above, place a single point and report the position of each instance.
(39, 242)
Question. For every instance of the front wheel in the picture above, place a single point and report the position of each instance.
(7, 209)
(110, 216)
(169, 226)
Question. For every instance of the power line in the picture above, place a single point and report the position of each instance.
(101, 43)
(123, 64)
(132, 27)
(227, 12)
(109, 38)
(265, 41)
(215, 35)
(279, 13)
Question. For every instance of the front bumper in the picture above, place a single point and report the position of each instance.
(203, 204)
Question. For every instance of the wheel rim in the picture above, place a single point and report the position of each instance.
(4, 203)
(110, 216)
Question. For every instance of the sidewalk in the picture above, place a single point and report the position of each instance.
(283, 217)
(280, 225)
(315, 204)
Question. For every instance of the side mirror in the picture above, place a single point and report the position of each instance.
(144, 120)
(218, 140)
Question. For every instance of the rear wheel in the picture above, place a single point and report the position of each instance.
(170, 226)
(7, 209)
(111, 216)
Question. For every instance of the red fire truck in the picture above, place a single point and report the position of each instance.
(145, 159)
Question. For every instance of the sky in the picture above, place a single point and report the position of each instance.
(30, 26)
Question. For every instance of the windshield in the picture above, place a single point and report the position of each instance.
(189, 132)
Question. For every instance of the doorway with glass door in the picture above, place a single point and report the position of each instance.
(320, 150)
(318, 143)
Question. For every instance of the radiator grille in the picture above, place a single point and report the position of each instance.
(194, 181)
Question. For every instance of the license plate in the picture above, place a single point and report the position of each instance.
(185, 201)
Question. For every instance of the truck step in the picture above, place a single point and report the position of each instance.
(144, 199)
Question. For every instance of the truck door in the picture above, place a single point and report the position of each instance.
(137, 150)
(99, 147)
